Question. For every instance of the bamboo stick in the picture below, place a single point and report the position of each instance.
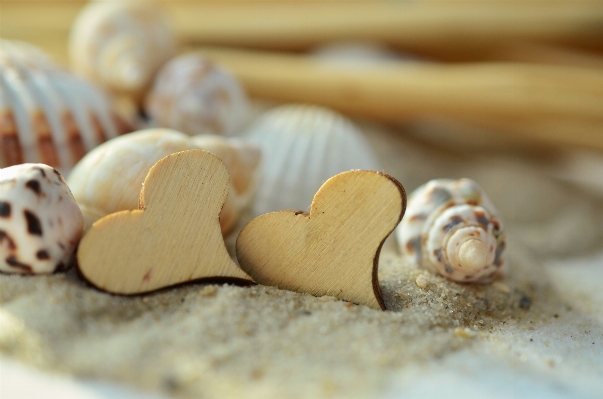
(544, 54)
(437, 28)
(526, 99)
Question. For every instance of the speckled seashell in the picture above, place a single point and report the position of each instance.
(40, 223)
(303, 146)
(195, 96)
(120, 45)
(46, 114)
(109, 179)
(451, 228)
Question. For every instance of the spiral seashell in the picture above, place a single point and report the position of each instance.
(452, 228)
(110, 177)
(48, 115)
(195, 96)
(303, 146)
(120, 44)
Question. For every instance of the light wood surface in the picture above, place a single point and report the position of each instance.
(530, 97)
(173, 238)
(335, 249)
(438, 28)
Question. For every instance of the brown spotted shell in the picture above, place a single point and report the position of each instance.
(48, 115)
(195, 96)
(40, 223)
(452, 228)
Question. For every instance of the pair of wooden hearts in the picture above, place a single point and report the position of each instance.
(175, 236)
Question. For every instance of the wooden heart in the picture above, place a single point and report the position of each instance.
(173, 238)
(335, 249)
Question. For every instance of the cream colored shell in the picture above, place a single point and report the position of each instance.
(195, 96)
(303, 146)
(109, 179)
(452, 228)
(48, 115)
(40, 223)
(121, 44)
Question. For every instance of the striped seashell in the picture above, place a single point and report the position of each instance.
(120, 45)
(195, 96)
(109, 178)
(46, 114)
(453, 229)
(302, 147)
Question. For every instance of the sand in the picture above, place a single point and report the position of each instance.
(226, 341)
(537, 329)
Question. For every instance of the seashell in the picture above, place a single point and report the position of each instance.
(303, 146)
(40, 223)
(109, 178)
(195, 96)
(452, 228)
(121, 44)
(46, 114)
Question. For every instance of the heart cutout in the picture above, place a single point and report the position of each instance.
(173, 238)
(334, 250)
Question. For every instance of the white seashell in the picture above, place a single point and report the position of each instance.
(40, 223)
(194, 96)
(452, 228)
(120, 44)
(303, 146)
(46, 114)
(109, 178)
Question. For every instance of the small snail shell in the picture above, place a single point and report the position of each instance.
(452, 228)
(40, 223)
(120, 44)
(302, 147)
(46, 114)
(109, 178)
(194, 96)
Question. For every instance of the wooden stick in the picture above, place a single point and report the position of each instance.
(543, 54)
(436, 28)
(403, 91)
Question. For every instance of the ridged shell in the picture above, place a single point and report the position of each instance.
(303, 146)
(109, 179)
(40, 223)
(48, 115)
(452, 228)
(120, 45)
(195, 96)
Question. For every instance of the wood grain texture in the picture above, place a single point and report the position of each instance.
(334, 250)
(173, 238)
(484, 94)
(436, 28)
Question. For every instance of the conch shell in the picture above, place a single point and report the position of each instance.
(109, 179)
(195, 96)
(48, 115)
(452, 228)
(120, 45)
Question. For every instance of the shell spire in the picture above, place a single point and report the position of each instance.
(452, 228)
(121, 45)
